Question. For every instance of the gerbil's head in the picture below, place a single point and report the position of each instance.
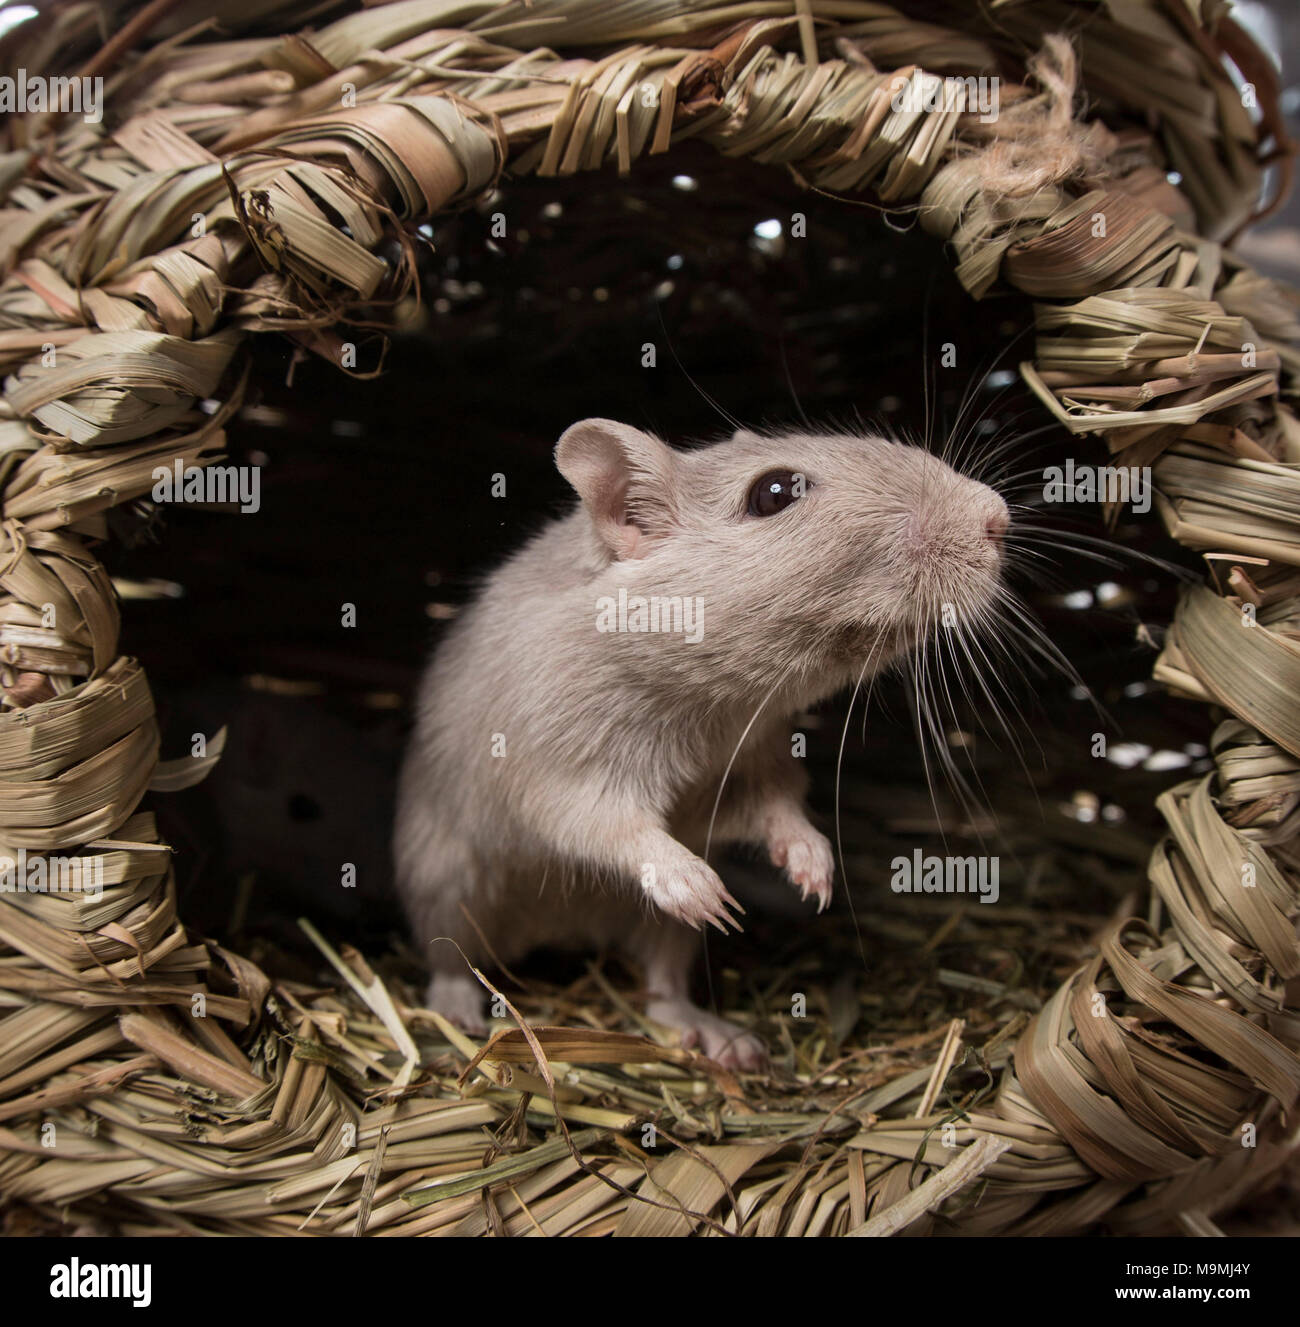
(817, 550)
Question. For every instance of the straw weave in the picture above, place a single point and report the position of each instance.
(189, 1091)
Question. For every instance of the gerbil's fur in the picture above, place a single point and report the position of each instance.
(561, 779)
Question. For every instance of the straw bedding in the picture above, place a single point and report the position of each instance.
(256, 174)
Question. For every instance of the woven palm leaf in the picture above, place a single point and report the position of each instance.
(262, 170)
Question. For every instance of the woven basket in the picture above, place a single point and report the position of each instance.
(257, 176)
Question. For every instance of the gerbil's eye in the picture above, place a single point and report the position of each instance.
(775, 492)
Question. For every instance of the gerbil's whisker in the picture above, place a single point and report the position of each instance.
(789, 382)
(1007, 445)
(1088, 546)
(839, 777)
(1019, 624)
(971, 799)
(704, 396)
(726, 773)
(998, 623)
(972, 641)
(958, 440)
(923, 723)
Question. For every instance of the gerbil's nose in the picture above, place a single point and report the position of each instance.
(996, 525)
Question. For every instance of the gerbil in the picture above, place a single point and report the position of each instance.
(561, 779)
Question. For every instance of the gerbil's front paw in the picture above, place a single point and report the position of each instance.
(690, 891)
(724, 1043)
(809, 861)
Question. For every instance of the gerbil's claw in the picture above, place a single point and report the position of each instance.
(725, 919)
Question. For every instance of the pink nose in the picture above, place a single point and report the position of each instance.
(996, 526)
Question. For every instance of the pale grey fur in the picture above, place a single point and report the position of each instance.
(616, 743)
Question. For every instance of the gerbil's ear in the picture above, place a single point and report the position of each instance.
(625, 479)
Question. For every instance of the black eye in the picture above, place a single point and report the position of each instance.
(775, 492)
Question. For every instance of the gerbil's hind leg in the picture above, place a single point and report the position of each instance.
(666, 951)
(435, 877)
(453, 990)
(458, 997)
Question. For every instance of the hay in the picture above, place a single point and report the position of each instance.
(155, 1081)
